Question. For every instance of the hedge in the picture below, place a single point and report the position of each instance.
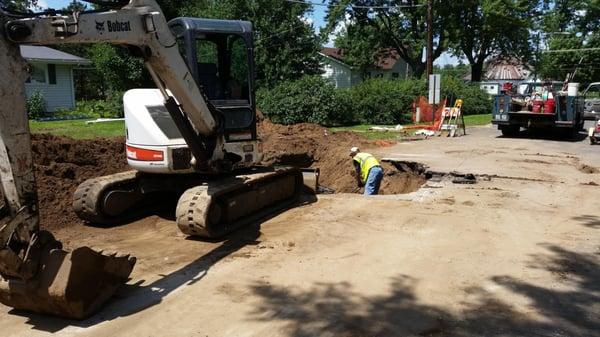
(313, 99)
(310, 99)
(379, 101)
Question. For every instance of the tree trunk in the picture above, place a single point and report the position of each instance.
(419, 69)
(477, 70)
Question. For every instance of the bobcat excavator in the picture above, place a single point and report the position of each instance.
(193, 137)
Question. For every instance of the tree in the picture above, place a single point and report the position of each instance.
(572, 31)
(485, 28)
(399, 25)
(18, 5)
(456, 71)
(285, 44)
(357, 43)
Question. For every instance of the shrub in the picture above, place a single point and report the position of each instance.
(111, 107)
(475, 100)
(310, 99)
(381, 101)
(376, 101)
(36, 105)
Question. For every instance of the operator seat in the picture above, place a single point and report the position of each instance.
(207, 76)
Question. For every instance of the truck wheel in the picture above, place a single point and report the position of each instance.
(573, 133)
(510, 130)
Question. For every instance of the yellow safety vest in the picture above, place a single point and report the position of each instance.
(366, 161)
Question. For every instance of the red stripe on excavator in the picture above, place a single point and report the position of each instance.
(136, 153)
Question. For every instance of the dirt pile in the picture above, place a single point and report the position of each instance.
(310, 145)
(63, 163)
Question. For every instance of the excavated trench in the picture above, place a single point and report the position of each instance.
(313, 146)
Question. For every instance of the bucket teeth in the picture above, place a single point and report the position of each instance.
(69, 284)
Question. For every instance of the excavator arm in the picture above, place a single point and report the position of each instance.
(36, 273)
(141, 26)
(17, 181)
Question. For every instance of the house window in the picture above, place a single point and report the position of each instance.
(37, 73)
(395, 75)
(379, 76)
(51, 73)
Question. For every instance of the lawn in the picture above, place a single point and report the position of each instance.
(79, 129)
(472, 120)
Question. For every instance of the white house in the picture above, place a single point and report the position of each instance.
(51, 73)
(389, 66)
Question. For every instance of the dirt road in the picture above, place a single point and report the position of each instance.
(515, 254)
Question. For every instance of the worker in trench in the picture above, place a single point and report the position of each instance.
(367, 171)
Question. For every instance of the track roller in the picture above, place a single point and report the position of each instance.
(217, 208)
(103, 200)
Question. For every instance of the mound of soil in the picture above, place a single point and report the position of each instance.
(62, 164)
(310, 145)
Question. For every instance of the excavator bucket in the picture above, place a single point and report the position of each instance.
(68, 284)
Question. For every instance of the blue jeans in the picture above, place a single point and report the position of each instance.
(373, 180)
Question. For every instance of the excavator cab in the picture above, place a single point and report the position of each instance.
(219, 54)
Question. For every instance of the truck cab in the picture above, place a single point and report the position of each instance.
(592, 101)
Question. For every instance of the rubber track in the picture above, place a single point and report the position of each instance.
(194, 206)
(88, 196)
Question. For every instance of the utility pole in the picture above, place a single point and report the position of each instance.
(429, 37)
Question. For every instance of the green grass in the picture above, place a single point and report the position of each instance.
(78, 129)
(363, 129)
(473, 120)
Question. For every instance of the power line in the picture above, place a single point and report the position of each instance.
(570, 50)
(294, 27)
(355, 6)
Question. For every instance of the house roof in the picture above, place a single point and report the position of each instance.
(335, 53)
(41, 53)
(506, 69)
(386, 61)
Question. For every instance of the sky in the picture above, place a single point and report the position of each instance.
(317, 18)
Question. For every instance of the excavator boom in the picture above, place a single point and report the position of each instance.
(36, 273)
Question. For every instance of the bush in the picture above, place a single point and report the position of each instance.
(475, 100)
(36, 105)
(381, 101)
(111, 107)
(310, 99)
(376, 101)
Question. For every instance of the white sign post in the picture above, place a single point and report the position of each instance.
(435, 81)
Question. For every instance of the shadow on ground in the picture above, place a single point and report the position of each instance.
(133, 298)
(550, 134)
(335, 309)
(592, 221)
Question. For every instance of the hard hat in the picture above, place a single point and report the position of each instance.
(354, 150)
